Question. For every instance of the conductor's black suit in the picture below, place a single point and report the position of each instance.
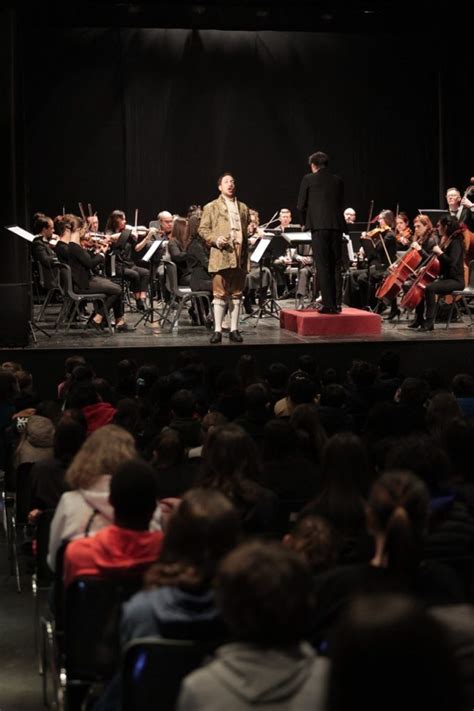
(321, 203)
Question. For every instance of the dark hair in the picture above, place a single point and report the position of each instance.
(183, 403)
(333, 395)
(67, 222)
(403, 216)
(279, 441)
(247, 370)
(301, 389)
(344, 481)
(277, 375)
(72, 362)
(8, 385)
(389, 363)
(221, 178)
(319, 159)
(41, 222)
(310, 432)
(384, 633)
(204, 527)
(463, 385)
(70, 434)
(257, 397)
(180, 232)
(441, 410)
(264, 593)
(420, 455)
(80, 395)
(388, 216)
(133, 494)
(168, 448)
(399, 507)
(362, 373)
(414, 392)
(314, 538)
(193, 227)
(451, 226)
(113, 220)
(231, 464)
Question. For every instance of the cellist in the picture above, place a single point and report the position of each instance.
(450, 253)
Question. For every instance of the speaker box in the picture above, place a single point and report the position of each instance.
(15, 312)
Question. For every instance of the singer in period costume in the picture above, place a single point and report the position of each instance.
(224, 226)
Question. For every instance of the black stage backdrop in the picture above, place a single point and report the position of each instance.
(148, 118)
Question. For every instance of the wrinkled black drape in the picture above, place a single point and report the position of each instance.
(149, 118)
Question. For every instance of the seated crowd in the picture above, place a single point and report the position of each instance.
(314, 530)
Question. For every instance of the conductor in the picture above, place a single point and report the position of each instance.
(321, 204)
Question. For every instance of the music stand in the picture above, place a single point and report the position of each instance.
(267, 306)
(434, 215)
(149, 313)
(24, 234)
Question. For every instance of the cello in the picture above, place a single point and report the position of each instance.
(402, 269)
(427, 274)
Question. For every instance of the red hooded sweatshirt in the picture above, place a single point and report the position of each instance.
(98, 415)
(109, 551)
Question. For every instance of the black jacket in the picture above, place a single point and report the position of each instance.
(46, 256)
(321, 201)
(81, 262)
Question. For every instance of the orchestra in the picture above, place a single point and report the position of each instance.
(402, 264)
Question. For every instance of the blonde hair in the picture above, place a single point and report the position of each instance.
(102, 453)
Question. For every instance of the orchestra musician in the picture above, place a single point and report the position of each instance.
(403, 233)
(350, 215)
(361, 283)
(460, 207)
(125, 243)
(93, 223)
(177, 248)
(42, 252)
(82, 263)
(450, 253)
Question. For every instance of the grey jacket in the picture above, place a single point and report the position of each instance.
(245, 677)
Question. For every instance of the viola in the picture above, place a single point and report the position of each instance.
(427, 274)
(401, 270)
(403, 235)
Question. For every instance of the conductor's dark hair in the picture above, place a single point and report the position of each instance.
(318, 159)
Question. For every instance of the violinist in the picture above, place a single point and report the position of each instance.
(361, 283)
(450, 253)
(403, 233)
(42, 252)
(126, 242)
(93, 223)
(81, 264)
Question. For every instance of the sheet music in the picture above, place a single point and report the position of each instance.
(152, 249)
(21, 233)
(299, 237)
(260, 249)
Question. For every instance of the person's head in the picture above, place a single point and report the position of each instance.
(264, 593)
(180, 232)
(147, 376)
(448, 226)
(72, 362)
(463, 385)
(363, 374)
(8, 385)
(168, 448)
(116, 222)
(453, 198)
(277, 376)
(183, 404)
(389, 653)
(308, 364)
(345, 463)
(386, 218)
(81, 395)
(413, 392)
(193, 227)
(70, 435)
(247, 369)
(311, 434)
(318, 160)
(301, 388)
(285, 217)
(133, 495)
(226, 185)
(165, 219)
(389, 364)
(442, 408)
(333, 395)
(210, 421)
(423, 227)
(398, 509)
(194, 211)
(201, 531)
(43, 226)
(422, 456)
(230, 457)
(314, 538)
(101, 454)
(93, 223)
(68, 226)
(402, 221)
(254, 217)
(350, 215)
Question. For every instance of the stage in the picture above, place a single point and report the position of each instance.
(449, 350)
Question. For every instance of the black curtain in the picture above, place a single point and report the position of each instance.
(149, 118)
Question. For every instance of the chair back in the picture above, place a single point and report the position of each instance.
(153, 669)
(470, 282)
(91, 625)
(65, 279)
(44, 574)
(171, 276)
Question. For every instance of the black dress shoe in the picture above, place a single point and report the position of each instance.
(140, 304)
(393, 315)
(235, 337)
(328, 310)
(216, 337)
(417, 323)
(428, 325)
(122, 328)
